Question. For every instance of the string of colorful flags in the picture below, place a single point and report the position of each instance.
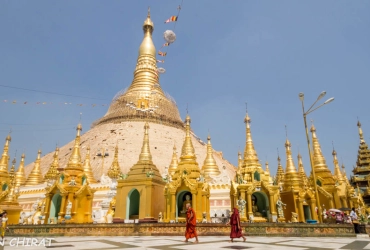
(170, 37)
(52, 103)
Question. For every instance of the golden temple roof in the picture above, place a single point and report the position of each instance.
(319, 162)
(144, 100)
(174, 162)
(292, 178)
(53, 172)
(114, 171)
(250, 154)
(20, 176)
(210, 166)
(74, 162)
(144, 168)
(4, 175)
(363, 155)
(87, 168)
(35, 177)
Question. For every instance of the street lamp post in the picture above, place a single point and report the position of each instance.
(305, 113)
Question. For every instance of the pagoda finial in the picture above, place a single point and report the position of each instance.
(318, 158)
(148, 12)
(362, 140)
(35, 177)
(87, 167)
(174, 162)
(145, 155)
(12, 171)
(20, 176)
(210, 166)
(115, 170)
(280, 171)
(74, 162)
(267, 169)
(291, 173)
(250, 154)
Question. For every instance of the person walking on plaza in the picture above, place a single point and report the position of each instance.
(236, 229)
(4, 223)
(354, 218)
(191, 221)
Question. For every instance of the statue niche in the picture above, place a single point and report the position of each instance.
(185, 200)
(255, 210)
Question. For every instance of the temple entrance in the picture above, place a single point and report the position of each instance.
(307, 212)
(133, 205)
(260, 205)
(55, 203)
(182, 199)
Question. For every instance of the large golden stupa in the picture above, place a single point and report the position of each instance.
(121, 129)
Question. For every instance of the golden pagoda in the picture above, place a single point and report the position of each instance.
(114, 171)
(140, 195)
(20, 176)
(70, 198)
(4, 175)
(325, 180)
(174, 162)
(298, 199)
(145, 92)
(361, 173)
(9, 202)
(187, 185)
(210, 167)
(35, 177)
(53, 172)
(87, 168)
(253, 187)
(302, 172)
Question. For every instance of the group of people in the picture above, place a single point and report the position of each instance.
(234, 222)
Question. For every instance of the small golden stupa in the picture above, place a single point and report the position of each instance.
(20, 176)
(35, 177)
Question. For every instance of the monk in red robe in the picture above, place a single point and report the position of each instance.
(191, 221)
(236, 229)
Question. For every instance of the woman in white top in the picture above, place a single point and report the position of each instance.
(354, 218)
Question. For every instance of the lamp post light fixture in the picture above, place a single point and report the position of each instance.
(305, 113)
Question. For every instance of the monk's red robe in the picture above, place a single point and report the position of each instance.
(190, 224)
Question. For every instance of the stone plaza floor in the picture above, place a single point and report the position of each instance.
(176, 242)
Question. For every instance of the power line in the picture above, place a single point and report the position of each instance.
(53, 93)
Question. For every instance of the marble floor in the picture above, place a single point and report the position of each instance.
(176, 243)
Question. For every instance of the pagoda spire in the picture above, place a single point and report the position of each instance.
(250, 154)
(301, 170)
(174, 162)
(4, 175)
(360, 133)
(319, 162)
(188, 152)
(210, 166)
(20, 176)
(74, 162)
(115, 170)
(280, 172)
(144, 166)
(35, 177)
(267, 171)
(291, 175)
(52, 173)
(337, 172)
(12, 171)
(240, 160)
(87, 168)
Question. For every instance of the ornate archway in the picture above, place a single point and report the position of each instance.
(133, 204)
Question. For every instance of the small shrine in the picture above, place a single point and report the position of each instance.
(187, 185)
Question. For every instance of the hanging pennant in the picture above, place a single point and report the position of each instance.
(171, 19)
(169, 36)
(160, 61)
(161, 70)
(162, 53)
(165, 45)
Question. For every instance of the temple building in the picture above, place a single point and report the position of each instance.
(253, 191)
(119, 129)
(361, 173)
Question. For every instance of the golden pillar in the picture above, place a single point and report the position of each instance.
(300, 211)
(249, 202)
(62, 206)
(47, 207)
(313, 209)
(173, 205)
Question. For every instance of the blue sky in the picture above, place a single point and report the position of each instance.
(226, 53)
